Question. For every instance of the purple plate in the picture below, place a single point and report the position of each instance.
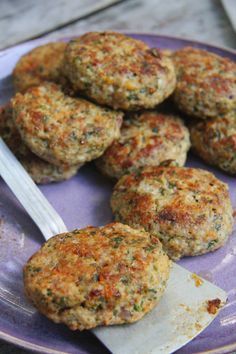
(82, 201)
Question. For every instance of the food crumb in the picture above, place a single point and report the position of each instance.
(213, 306)
(198, 326)
(198, 281)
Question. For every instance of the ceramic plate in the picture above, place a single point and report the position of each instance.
(82, 201)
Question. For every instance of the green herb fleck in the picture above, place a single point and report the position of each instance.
(138, 308)
(217, 227)
(73, 135)
(150, 248)
(211, 243)
(171, 185)
(49, 292)
(217, 134)
(152, 290)
(132, 96)
(62, 301)
(95, 277)
(125, 279)
(155, 130)
(34, 269)
(117, 240)
(162, 191)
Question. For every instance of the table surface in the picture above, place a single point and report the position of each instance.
(203, 20)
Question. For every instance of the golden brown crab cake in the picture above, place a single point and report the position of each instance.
(206, 83)
(64, 130)
(215, 142)
(41, 171)
(39, 65)
(97, 276)
(188, 209)
(119, 71)
(148, 138)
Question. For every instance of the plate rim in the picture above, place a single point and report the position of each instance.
(38, 348)
(179, 38)
(28, 345)
(130, 32)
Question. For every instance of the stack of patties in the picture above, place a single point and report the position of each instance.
(61, 128)
(126, 74)
(206, 90)
(70, 111)
(40, 170)
(123, 73)
(56, 132)
(36, 67)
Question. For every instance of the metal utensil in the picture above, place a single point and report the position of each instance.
(179, 317)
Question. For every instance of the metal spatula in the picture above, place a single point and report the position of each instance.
(179, 317)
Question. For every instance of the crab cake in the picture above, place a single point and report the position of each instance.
(206, 83)
(188, 209)
(61, 129)
(97, 276)
(39, 65)
(40, 170)
(215, 142)
(119, 71)
(148, 138)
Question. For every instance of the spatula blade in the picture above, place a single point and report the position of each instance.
(179, 317)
